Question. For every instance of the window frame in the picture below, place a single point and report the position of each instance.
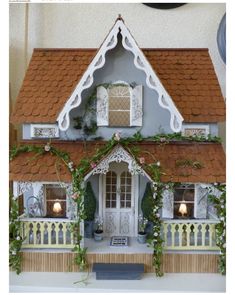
(184, 186)
(56, 185)
(117, 84)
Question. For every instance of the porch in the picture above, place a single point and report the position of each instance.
(179, 235)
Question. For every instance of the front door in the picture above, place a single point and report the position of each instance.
(118, 203)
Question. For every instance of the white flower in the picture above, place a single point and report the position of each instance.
(158, 163)
(13, 252)
(70, 165)
(215, 184)
(154, 196)
(224, 245)
(222, 206)
(222, 218)
(18, 238)
(47, 147)
(155, 234)
(154, 184)
(167, 186)
(117, 136)
(157, 215)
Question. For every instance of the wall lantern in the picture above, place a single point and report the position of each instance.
(183, 208)
(57, 208)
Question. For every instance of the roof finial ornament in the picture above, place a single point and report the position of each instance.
(119, 18)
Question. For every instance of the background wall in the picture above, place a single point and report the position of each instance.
(86, 25)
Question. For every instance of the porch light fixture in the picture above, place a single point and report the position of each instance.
(183, 208)
(57, 207)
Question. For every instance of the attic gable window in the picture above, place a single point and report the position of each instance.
(119, 106)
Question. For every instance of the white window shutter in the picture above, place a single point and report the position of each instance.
(212, 212)
(38, 192)
(102, 106)
(136, 106)
(200, 204)
(168, 200)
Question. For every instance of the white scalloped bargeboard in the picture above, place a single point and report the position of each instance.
(140, 62)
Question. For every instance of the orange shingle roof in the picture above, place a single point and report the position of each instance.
(190, 79)
(187, 74)
(27, 167)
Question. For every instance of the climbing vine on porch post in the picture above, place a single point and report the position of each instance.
(156, 241)
(217, 195)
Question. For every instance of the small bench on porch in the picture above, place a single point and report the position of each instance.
(118, 271)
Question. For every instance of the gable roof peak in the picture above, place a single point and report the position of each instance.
(119, 18)
(140, 62)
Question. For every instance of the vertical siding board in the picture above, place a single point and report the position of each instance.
(172, 262)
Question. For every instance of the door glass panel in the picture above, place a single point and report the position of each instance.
(125, 196)
(111, 190)
(128, 204)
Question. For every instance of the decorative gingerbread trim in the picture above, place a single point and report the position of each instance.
(140, 62)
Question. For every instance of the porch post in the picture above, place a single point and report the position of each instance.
(15, 189)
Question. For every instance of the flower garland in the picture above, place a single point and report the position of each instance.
(15, 243)
(219, 202)
(156, 241)
(79, 172)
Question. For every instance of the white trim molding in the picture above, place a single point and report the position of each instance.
(140, 62)
(44, 131)
(118, 155)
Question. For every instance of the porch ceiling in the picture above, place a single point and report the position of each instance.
(27, 167)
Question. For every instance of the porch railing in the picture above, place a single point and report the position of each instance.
(189, 234)
(46, 233)
(178, 234)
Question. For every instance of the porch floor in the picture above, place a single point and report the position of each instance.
(104, 247)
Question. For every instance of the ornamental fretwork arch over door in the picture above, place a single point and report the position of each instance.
(118, 203)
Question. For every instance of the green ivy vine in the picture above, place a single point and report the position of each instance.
(78, 193)
(78, 174)
(16, 240)
(219, 202)
(86, 122)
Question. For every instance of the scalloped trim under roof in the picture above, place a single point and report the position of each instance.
(140, 62)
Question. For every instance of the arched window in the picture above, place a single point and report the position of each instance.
(119, 106)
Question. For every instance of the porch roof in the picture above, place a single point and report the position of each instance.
(176, 158)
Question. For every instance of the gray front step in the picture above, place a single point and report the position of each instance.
(118, 271)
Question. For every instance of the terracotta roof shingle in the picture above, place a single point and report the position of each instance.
(187, 74)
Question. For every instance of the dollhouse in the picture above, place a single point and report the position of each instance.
(109, 115)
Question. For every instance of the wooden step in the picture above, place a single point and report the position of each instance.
(118, 271)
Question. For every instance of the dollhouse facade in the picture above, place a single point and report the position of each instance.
(76, 100)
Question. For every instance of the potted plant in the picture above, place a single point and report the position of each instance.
(89, 208)
(146, 206)
(98, 234)
(142, 235)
